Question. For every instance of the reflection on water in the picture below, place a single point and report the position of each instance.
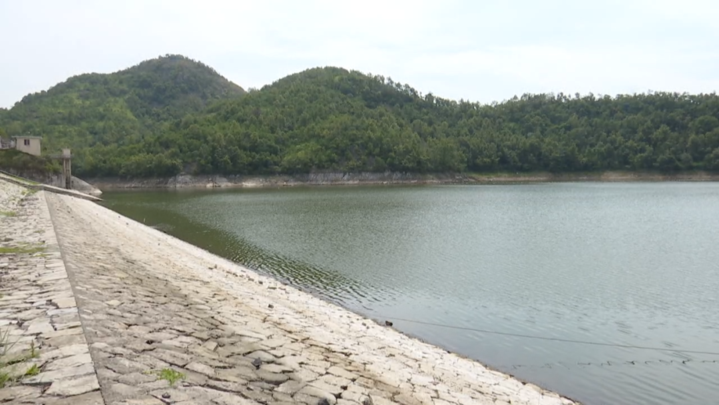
(625, 264)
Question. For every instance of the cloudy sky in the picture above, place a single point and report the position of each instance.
(472, 49)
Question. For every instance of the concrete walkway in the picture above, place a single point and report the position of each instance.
(44, 357)
(155, 309)
(39, 186)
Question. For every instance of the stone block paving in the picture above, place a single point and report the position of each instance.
(152, 304)
(44, 357)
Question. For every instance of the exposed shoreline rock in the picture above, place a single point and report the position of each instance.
(389, 178)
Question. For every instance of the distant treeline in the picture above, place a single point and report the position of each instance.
(330, 119)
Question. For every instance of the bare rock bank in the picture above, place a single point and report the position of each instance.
(318, 179)
(389, 178)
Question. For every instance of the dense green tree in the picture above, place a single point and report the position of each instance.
(173, 115)
(122, 109)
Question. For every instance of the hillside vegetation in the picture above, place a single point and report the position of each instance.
(118, 109)
(331, 119)
(14, 161)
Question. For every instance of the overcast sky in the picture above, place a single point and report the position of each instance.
(477, 50)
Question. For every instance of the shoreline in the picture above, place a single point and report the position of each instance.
(146, 298)
(389, 178)
(238, 270)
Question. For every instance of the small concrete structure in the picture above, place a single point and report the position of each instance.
(66, 157)
(28, 144)
(67, 168)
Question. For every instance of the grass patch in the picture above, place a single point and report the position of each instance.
(170, 375)
(33, 352)
(24, 181)
(8, 214)
(5, 346)
(34, 370)
(21, 250)
(7, 374)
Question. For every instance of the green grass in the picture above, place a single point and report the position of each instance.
(7, 214)
(34, 370)
(5, 343)
(7, 376)
(170, 375)
(5, 346)
(33, 352)
(21, 179)
(21, 250)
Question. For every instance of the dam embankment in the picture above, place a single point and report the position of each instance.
(146, 303)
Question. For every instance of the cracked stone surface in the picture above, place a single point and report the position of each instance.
(43, 342)
(149, 302)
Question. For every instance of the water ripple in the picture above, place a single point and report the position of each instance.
(631, 264)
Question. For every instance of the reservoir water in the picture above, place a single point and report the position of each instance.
(607, 293)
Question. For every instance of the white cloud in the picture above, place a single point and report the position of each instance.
(458, 49)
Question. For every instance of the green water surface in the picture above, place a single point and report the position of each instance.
(519, 272)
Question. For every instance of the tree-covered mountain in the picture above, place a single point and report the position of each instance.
(331, 119)
(121, 108)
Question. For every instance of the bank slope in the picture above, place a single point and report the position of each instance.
(276, 343)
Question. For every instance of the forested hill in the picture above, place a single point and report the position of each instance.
(120, 108)
(331, 119)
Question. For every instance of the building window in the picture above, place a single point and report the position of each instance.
(26, 142)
